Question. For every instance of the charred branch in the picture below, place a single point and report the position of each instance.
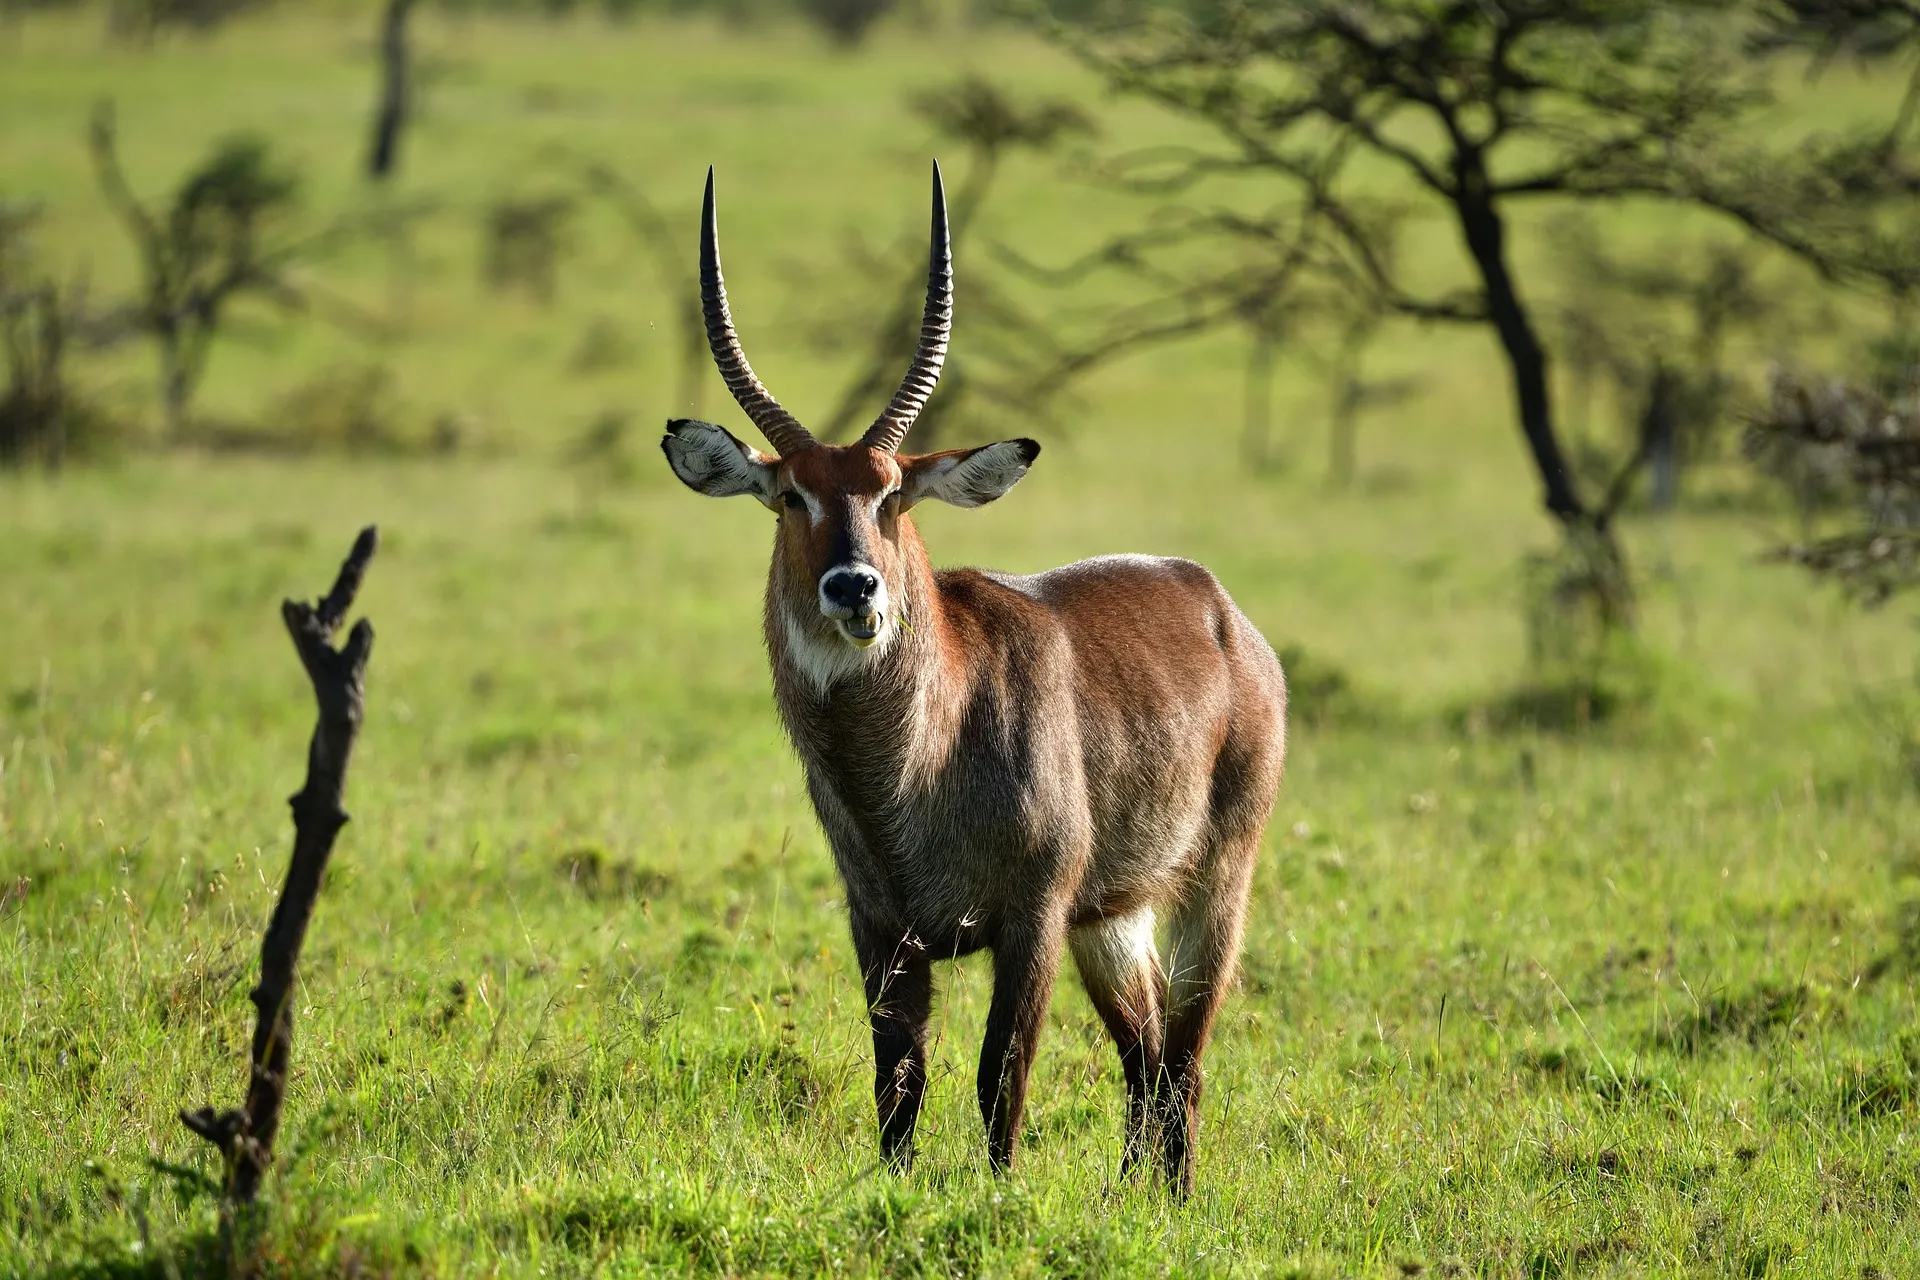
(244, 1136)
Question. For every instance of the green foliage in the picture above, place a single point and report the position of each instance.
(228, 200)
(1320, 692)
(1852, 445)
(351, 408)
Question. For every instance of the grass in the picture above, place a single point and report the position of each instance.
(578, 999)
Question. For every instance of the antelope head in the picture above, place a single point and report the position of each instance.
(845, 549)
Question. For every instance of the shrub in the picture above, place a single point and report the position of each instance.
(845, 22)
(145, 19)
(526, 237)
(43, 417)
(1838, 442)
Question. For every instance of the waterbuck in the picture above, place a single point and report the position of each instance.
(1013, 763)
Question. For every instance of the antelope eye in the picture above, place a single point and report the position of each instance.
(793, 501)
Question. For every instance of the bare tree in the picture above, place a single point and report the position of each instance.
(1007, 345)
(1354, 393)
(33, 339)
(244, 1136)
(214, 244)
(38, 409)
(1266, 320)
(45, 419)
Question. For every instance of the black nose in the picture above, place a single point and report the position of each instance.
(850, 588)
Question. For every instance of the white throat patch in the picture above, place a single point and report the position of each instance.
(823, 661)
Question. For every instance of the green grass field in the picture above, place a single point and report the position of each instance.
(1637, 1000)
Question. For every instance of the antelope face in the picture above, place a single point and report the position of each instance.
(842, 513)
(840, 535)
(842, 508)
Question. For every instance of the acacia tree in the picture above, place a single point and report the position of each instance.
(1855, 191)
(1482, 107)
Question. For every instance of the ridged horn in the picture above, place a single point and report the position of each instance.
(780, 428)
(891, 427)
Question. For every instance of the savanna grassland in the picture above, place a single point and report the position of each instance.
(1634, 997)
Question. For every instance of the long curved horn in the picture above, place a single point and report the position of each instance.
(780, 428)
(891, 427)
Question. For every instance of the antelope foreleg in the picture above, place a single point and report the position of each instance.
(899, 982)
(1024, 966)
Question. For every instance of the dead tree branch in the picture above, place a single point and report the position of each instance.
(244, 1136)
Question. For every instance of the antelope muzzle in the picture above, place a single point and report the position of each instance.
(854, 597)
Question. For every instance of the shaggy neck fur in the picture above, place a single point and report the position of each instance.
(869, 721)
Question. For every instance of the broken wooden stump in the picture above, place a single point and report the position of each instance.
(244, 1135)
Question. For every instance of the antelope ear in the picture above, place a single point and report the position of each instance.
(708, 459)
(968, 477)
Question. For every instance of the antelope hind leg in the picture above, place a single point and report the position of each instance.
(1204, 944)
(1121, 973)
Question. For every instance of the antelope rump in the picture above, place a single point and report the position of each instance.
(1022, 764)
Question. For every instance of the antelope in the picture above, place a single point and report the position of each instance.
(1019, 764)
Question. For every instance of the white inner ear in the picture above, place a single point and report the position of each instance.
(972, 479)
(709, 459)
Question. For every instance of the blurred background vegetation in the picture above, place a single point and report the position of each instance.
(1645, 204)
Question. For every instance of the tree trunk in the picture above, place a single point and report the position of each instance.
(1485, 234)
(391, 116)
(176, 385)
(1598, 566)
(1659, 436)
